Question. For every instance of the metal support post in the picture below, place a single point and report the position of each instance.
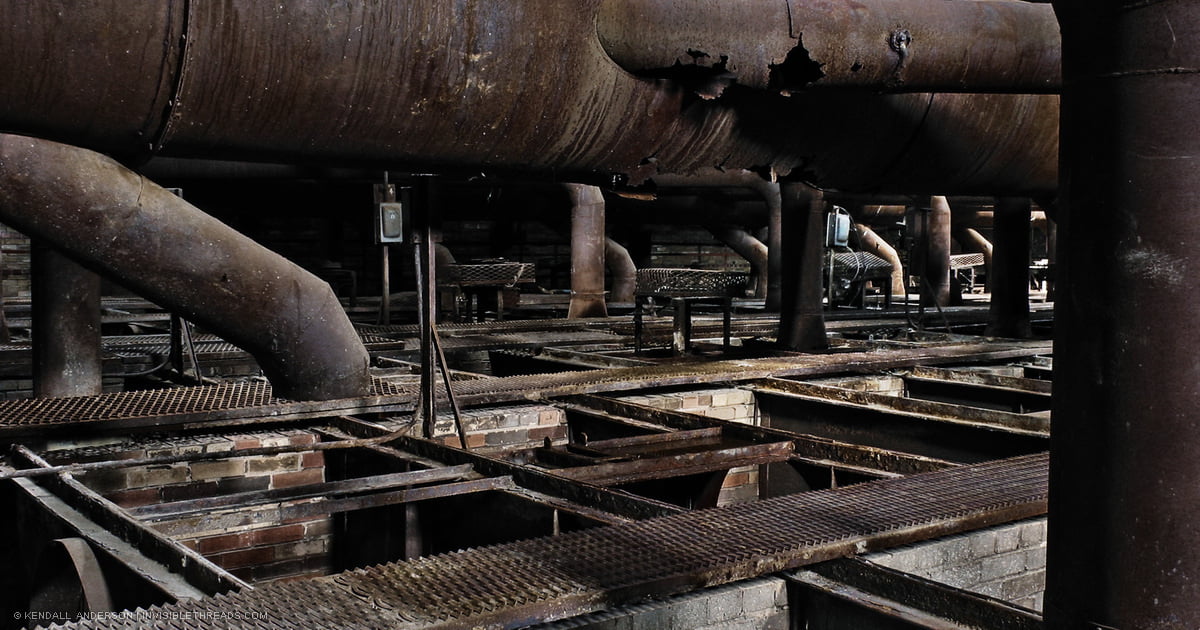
(67, 354)
(937, 254)
(802, 322)
(1010, 269)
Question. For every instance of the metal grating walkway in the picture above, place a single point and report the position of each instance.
(552, 578)
(246, 401)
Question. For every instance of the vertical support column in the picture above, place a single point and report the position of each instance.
(587, 252)
(1051, 256)
(1010, 268)
(67, 355)
(1125, 451)
(422, 237)
(774, 249)
(936, 280)
(802, 320)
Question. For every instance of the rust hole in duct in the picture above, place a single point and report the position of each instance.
(797, 69)
(698, 73)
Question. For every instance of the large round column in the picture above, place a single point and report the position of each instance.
(1125, 461)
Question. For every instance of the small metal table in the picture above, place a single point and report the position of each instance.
(470, 280)
(686, 287)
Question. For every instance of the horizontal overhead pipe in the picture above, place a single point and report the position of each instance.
(119, 223)
(441, 86)
(898, 45)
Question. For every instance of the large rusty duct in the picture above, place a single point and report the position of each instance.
(522, 85)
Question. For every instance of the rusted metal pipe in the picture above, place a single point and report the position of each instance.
(745, 245)
(936, 276)
(448, 85)
(768, 190)
(1009, 276)
(587, 252)
(873, 243)
(802, 319)
(121, 224)
(67, 355)
(624, 271)
(970, 240)
(1124, 550)
(898, 45)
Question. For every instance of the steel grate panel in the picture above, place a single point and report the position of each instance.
(672, 282)
(506, 274)
(243, 395)
(555, 577)
(155, 402)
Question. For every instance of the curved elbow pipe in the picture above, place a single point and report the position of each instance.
(745, 245)
(972, 241)
(121, 224)
(874, 244)
(624, 271)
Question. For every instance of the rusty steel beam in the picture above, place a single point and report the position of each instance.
(67, 355)
(117, 222)
(907, 45)
(441, 86)
(1124, 551)
(587, 252)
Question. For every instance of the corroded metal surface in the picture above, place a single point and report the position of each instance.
(447, 85)
(908, 45)
(556, 577)
(167, 250)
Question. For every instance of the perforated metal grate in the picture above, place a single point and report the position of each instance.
(135, 404)
(505, 274)
(860, 265)
(156, 402)
(667, 282)
(578, 572)
(962, 261)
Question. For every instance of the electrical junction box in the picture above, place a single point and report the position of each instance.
(391, 221)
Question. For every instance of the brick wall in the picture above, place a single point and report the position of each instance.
(498, 428)
(759, 604)
(14, 275)
(1006, 562)
(260, 548)
(732, 404)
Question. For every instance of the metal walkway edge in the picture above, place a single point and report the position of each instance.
(247, 402)
(545, 579)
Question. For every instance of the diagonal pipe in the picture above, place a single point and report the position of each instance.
(119, 223)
